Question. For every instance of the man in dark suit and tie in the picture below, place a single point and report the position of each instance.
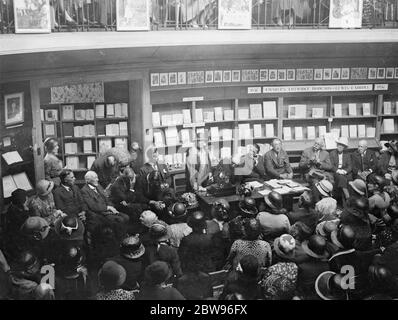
(99, 209)
(277, 163)
(363, 161)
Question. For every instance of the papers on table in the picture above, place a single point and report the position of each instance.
(264, 192)
(12, 157)
(283, 190)
(254, 184)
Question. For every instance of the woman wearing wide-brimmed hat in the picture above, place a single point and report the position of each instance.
(342, 168)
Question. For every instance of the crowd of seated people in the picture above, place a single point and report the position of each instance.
(126, 235)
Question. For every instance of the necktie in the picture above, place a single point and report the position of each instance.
(362, 166)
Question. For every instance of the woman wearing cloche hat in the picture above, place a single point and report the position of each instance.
(342, 167)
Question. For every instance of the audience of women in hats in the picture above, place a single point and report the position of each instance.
(115, 239)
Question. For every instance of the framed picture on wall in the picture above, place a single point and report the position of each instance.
(396, 73)
(273, 74)
(14, 109)
(209, 76)
(154, 79)
(235, 75)
(318, 74)
(345, 14)
(234, 14)
(291, 74)
(164, 79)
(281, 74)
(132, 15)
(263, 74)
(336, 74)
(390, 73)
(345, 73)
(381, 73)
(372, 73)
(227, 75)
(327, 74)
(218, 76)
(172, 78)
(182, 77)
(49, 130)
(32, 16)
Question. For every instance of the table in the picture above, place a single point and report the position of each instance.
(209, 200)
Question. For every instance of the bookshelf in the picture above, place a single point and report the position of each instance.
(85, 130)
(388, 116)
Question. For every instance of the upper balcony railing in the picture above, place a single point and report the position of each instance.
(100, 15)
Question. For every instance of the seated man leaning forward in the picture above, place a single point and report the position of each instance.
(315, 163)
(277, 162)
(99, 209)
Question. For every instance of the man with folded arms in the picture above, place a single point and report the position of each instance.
(277, 162)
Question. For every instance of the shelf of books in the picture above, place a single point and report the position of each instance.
(389, 118)
(85, 130)
(303, 119)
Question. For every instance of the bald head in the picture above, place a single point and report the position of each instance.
(91, 177)
(362, 146)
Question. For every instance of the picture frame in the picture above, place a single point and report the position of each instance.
(345, 73)
(281, 74)
(209, 77)
(164, 79)
(14, 109)
(360, 73)
(396, 73)
(263, 74)
(273, 75)
(195, 77)
(305, 74)
(250, 75)
(346, 15)
(32, 17)
(235, 75)
(49, 130)
(389, 73)
(155, 80)
(132, 15)
(227, 76)
(336, 74)
(291, 74)
(327, 74)
(372, 73)
(173, 79)
(381, 73)
(234, 14)
(218, 76)
(318, 74)
(182, 77)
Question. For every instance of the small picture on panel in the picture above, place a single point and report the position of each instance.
(209, 76)
(281, 74)
(154, 79)
(381, 73)
(182, 78)
(390, 73)
(372, 73)
(318, 74)
(345, 73)
(235, 75)
(173, 78)
(164, 79)
(227, 75)
(263, 74)
(291, 74)
(218, 76)
(359, 73)
(336, 74)
(273, 75)
(396, 73)
(327, 74)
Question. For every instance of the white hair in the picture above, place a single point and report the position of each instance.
(90, 175)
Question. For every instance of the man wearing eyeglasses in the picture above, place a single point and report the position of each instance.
(68, 197)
